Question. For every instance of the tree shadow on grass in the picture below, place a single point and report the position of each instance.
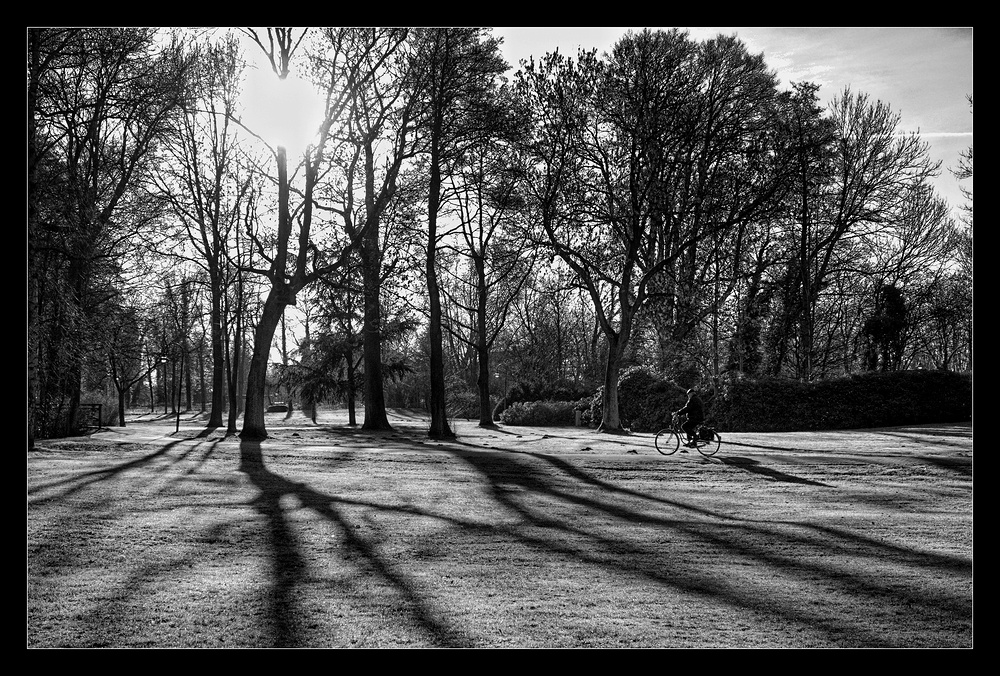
(755, 467)
(289, 567)
(78, 482)
(920, 432)
(728, 443)
(961, 466)
(519, 485)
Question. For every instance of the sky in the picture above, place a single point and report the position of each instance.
(922, 73)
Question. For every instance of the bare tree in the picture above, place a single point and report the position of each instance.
(351, 65)
(372, 68)
(864, 183)
(963, 172)
(454, 76)
(205, 188)
(499, 256)
(646, 169)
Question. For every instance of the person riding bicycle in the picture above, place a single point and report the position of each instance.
(695, 412)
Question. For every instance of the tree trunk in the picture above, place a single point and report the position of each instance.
(201, 373)
(234, 396)
(121, 407)
(375, 415)
(274, 307)
(233, 356)
(152, 392)
(188, 389)
(218, 357)
(482, 347)
(439, 417)
(610, 418)
(485, 410)
(352, 419)
(166, 398)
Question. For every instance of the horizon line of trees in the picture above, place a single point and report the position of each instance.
(454, 230)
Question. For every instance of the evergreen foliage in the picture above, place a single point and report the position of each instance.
(543, 413)
(645, 399)
(857, 401)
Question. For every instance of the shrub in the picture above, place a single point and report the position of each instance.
(463, 404)
(542, 413)
(537, 390)
(856, 401)
(645, 399)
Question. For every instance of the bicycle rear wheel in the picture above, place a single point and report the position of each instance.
(710, 448)
(667, 441)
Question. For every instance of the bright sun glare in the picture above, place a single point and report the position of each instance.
(282, 112)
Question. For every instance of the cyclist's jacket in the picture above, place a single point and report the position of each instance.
(694, 409)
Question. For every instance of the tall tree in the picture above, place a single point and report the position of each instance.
(203, 185)
(371, 68)
(349, 63)
(811, 136)
(499, 258)
(865, 181)
(724, 171)
(455, 75)
(130, 361)
(652, 164)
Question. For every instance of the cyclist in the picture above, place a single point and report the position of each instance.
(695, 412)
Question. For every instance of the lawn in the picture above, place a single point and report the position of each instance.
(324, 536)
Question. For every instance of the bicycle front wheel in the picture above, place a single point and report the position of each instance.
(667, 441)
(710, 448)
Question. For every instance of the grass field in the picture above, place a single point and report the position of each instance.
(324, 536)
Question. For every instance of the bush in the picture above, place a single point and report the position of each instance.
(543, 413)
(537, 390)
(645, 399)
(463, 404)
(856, 401)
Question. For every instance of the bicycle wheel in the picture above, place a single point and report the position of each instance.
(667, 442)
(710, 448)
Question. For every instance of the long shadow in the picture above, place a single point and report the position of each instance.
(963, 431)
(207, 432)
(516, 482)
(726, 442)
(288, 563)
(78, 482)
(517, 486)
(924, 559)
(961, 466)
(755, 467)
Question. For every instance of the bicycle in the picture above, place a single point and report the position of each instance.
(668, 440)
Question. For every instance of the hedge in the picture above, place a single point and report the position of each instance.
(645, 399)
(543, 413)
(855, 401)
